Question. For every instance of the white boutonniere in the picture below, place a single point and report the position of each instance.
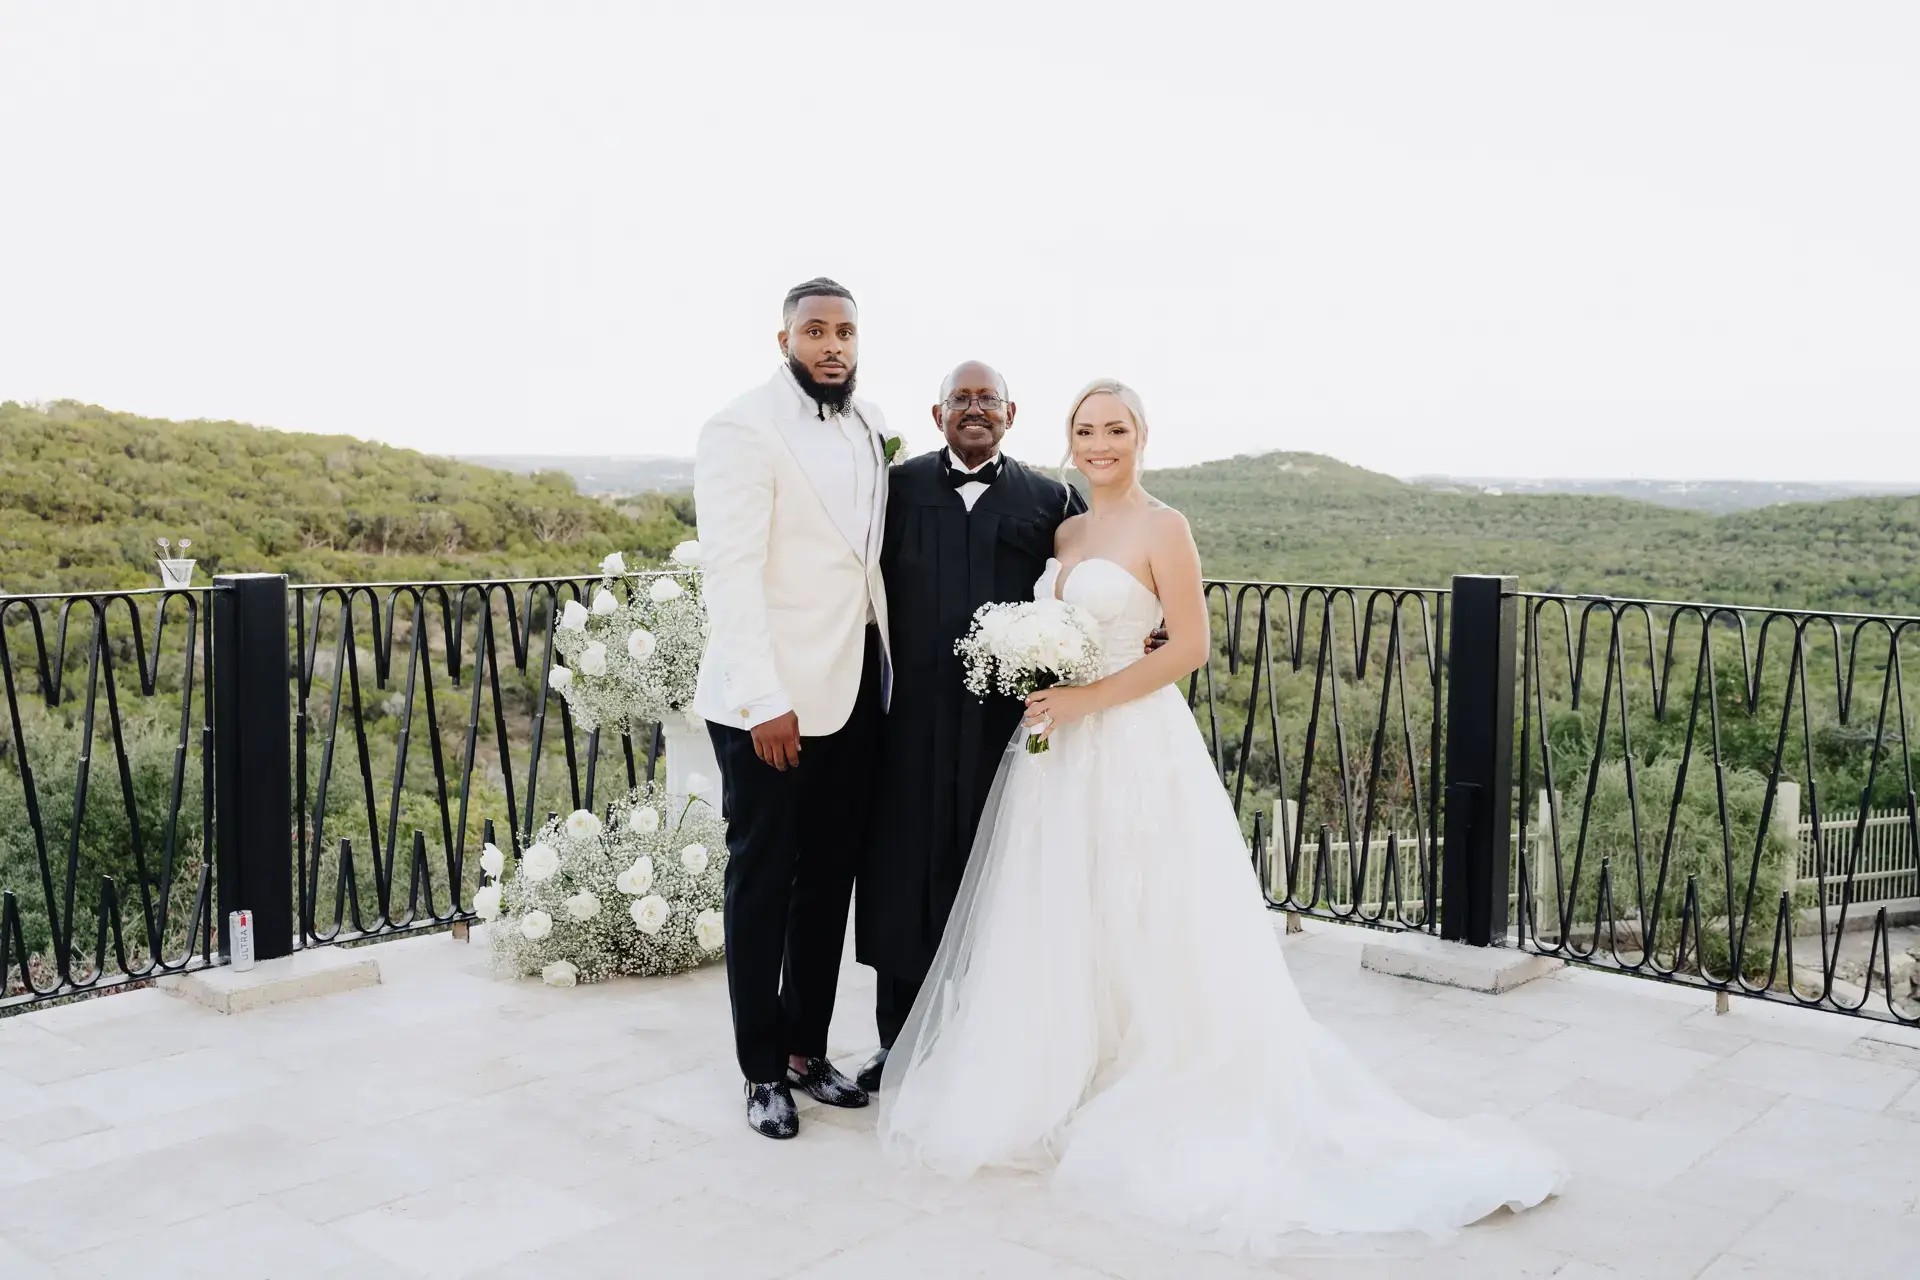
(891, 448)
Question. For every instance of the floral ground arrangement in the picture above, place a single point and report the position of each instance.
(633, 655)
(636, 891)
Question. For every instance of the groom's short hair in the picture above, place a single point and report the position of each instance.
(818, 287)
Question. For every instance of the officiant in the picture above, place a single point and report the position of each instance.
(964, 526)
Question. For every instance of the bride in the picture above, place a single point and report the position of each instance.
(1109, 1003)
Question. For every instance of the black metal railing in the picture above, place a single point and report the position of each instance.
(1637, 810)
(1321, 706)
(106, 791)
(438, 694)
(1667, 751)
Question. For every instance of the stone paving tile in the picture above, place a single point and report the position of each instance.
(1843, 1080)
(1730, 1266)
(943, 1250)
(1867, 1158)
(18, 1167)
(74, 1210)
(1637, 1232)
(457, 1228)
(445, 1123)
(1624, 1100)
(18, 1264)
(18, 1096)
(706, 1236)
(1635, 1152)
(250, 1240)
(1829, 1232)
(1886, 1051)
(113, 1143)
(50, 1124)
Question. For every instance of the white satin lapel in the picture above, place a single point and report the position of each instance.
(877, 527)
(796, 423)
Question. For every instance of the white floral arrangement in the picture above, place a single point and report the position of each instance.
(632, 656)
(637, 893)
(1015, 649)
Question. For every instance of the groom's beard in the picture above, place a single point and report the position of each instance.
(830, 399)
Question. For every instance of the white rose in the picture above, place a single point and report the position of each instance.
(486, 902)
(650, 914)
(561, 973)
(535, 925)
(573, 617)
(613, 566)
(492, 861)
(604, 603)
(698, 783)
(583, 824)
(688, 554)
(559, 678)
(539, 862)
(583, 906)
(663, 590)
(694, 859)
(710, 930)
(643, 821)
(1022, 635)
(636, 879)
(593, 659)
(640, 644)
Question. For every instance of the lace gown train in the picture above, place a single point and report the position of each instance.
(1110, 1005)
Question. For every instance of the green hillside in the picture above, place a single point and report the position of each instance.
(1305, 518)
(84, 493)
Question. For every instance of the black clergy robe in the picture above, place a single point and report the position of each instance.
(941, 745)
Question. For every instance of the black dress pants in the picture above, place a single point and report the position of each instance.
(793, 843)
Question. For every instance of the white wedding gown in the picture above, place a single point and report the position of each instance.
(1110, 1004)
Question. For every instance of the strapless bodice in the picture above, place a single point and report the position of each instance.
(1122, 606)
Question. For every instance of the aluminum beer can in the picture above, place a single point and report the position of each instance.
(240, 933)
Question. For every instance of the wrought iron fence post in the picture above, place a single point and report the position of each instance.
(1474, 870)
(252, 769)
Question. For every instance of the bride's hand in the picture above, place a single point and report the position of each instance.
(1063, 704)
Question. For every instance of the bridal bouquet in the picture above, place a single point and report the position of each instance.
(1014, 649)
(633, 654)
(637, 892)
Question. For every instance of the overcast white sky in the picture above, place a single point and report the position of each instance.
(1666, 238)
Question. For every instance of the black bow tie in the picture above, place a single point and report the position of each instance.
(985, 475)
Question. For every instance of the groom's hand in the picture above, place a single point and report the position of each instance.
(777, 742)
(1158, 638)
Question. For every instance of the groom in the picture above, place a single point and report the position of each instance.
(790, 494)
(965, 526)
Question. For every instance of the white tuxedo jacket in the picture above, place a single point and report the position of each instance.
(790, 574)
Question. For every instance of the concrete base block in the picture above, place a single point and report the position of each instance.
(321, 971)
(1454, 964)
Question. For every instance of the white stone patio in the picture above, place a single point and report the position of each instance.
(444, 1124)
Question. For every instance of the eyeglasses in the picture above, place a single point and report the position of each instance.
(958, 402)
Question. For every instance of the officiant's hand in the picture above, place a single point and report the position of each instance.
(1158, 638)
(1062, 704)
(777, 742)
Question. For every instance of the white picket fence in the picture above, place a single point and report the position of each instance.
(1888, 868)
(1337, 885)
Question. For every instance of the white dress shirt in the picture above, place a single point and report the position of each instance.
(970, 493)
(844, 456)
